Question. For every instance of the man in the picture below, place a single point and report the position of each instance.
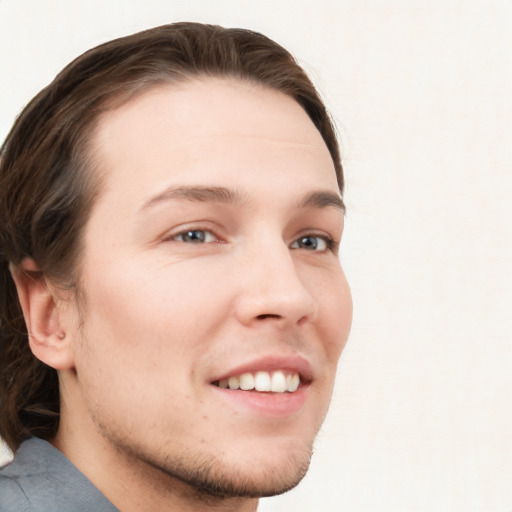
(171, 211)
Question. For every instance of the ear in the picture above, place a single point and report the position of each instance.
(48, 340)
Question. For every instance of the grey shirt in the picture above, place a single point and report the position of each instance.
(42, 479)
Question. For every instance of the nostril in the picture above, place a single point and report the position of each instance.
(268, 315)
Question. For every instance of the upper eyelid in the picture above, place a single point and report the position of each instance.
(315, 233)
(200, 225)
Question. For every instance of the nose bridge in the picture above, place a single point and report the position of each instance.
(271, 286)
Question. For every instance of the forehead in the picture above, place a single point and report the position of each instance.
(209, 129)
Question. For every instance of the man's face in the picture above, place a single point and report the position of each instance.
(211, 254)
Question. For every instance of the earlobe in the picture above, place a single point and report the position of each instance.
(47, 337)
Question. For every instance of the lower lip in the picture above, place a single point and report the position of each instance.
(274, 405)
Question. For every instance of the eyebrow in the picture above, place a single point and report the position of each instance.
(196, 193)
(315, 199)
(322, 199)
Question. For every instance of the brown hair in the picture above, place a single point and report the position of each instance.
(47, 189)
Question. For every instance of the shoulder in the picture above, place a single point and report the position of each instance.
(40, 479)
(20, 474)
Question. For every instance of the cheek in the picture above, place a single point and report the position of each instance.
(148, 314)
(137, 351)
(335, 312)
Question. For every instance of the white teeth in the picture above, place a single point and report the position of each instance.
(234, 382)
(294, 385)
(262, 381)
(247, 381)
(277, 382)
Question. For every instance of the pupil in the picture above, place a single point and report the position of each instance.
(309, 242)
(194, 236)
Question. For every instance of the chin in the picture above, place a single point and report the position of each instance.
(265, 466)
(255, 479)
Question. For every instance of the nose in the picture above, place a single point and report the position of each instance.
(272, 288)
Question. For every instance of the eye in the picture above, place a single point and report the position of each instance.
(195, 236)
(312, 243)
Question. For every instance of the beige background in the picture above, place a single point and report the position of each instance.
(421, 418)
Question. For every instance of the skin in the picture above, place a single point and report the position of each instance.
(161, 316)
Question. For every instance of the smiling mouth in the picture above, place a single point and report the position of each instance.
(279, 381)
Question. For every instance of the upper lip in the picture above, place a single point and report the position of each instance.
(270, 363)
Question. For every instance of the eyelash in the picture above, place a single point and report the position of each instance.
(330, 244)
(189, 231)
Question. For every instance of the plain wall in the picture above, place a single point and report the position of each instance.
(421, 90)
